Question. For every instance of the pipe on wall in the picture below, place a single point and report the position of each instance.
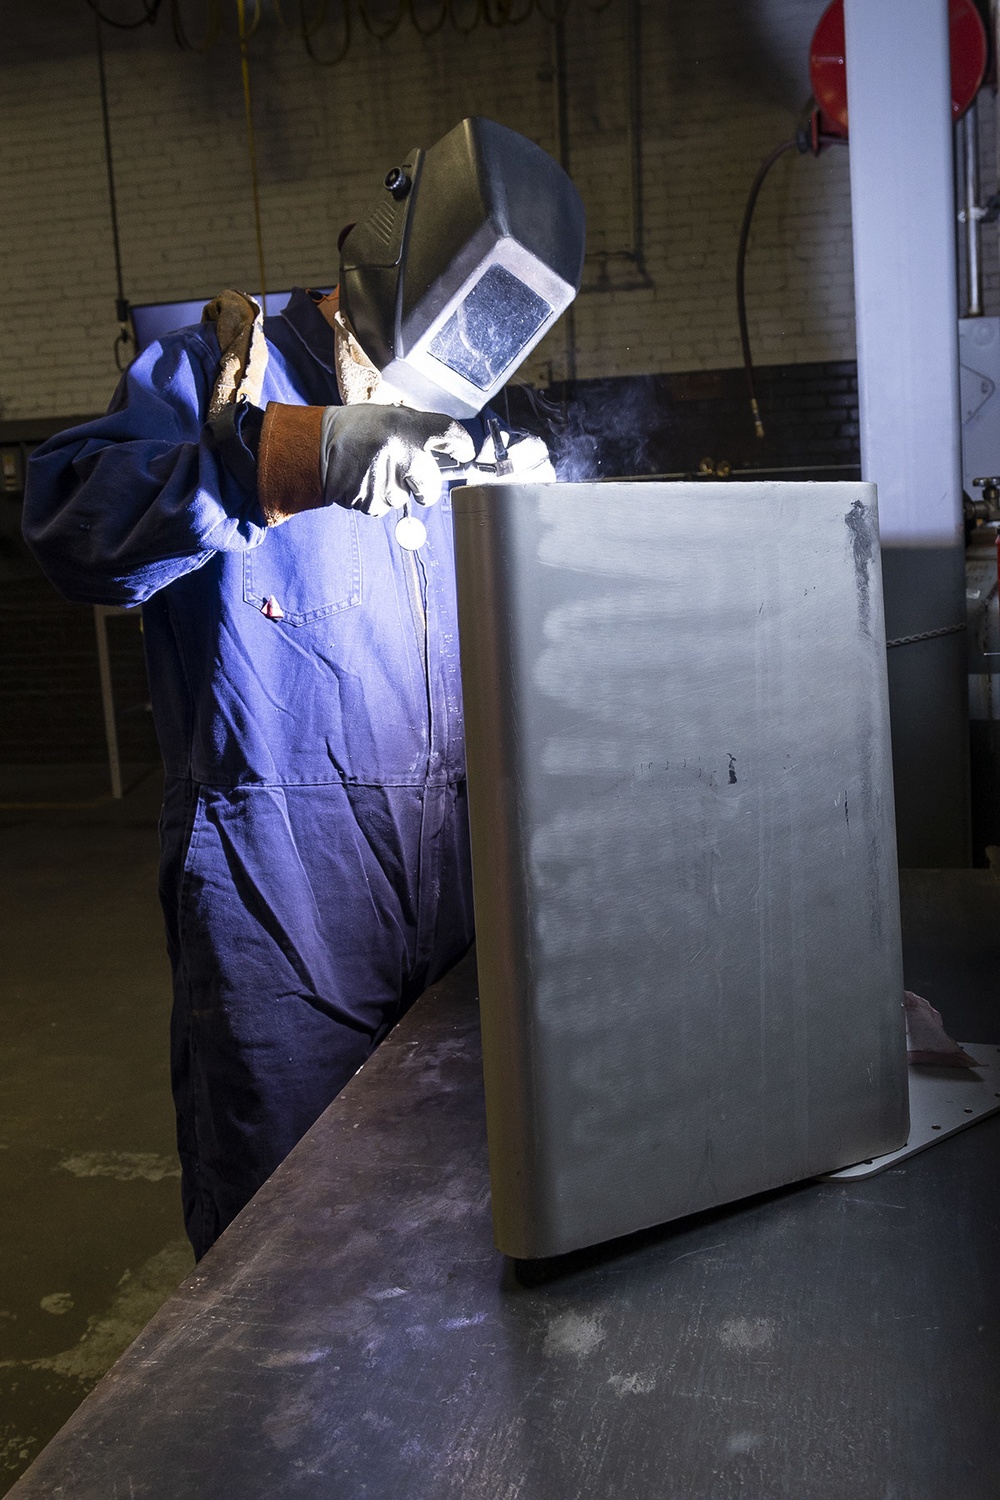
(560, 102)
(633, 253)
(971, 213)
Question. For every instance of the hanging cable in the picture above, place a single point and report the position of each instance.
(286, 25)
(506, 14)
(121, 303)
(252, 144)
(462, 29)
(495, 13)
(309, 31)
(435, 26)
(148, 17)
(381, 30)
(213, 27)
(804, 141)
(251, 26)
(380, 21)
(741, 261)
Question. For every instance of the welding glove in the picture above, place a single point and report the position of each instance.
(376, 458)
(365, 457)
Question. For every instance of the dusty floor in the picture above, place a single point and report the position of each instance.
(91, 1238)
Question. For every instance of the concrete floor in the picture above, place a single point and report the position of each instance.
(91, 1240)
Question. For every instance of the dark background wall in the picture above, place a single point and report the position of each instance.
(687, 422)
(676, 424)
(662, 112)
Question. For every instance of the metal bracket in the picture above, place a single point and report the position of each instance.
(942, 1102)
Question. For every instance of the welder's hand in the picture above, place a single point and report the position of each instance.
(365, 457)
(376, 458)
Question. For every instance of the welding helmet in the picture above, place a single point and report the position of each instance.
(463, 261)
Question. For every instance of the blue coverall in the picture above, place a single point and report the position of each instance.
(305, 686)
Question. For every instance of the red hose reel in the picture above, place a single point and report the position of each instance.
(828, 71)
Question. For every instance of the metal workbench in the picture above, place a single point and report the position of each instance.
(355, 1334)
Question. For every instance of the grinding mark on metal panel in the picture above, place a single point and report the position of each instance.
(864, 542)
(859, 524)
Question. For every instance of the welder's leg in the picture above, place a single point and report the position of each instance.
(445, 919)
(302, 922)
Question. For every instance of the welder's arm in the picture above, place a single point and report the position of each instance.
(365, 457)
(117, 508)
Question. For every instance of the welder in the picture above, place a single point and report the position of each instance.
(255, 487)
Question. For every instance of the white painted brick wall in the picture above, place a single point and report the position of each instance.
(718, 93)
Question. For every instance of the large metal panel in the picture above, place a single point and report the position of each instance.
(683, 846)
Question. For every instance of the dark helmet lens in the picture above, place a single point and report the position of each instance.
(487, 332)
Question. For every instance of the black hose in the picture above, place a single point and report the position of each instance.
(148, 17)
(121, 304)
(741, 261)
(802, 142)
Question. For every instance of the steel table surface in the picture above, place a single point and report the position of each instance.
(355, 1334)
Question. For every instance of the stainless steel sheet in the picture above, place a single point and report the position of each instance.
(683, 846)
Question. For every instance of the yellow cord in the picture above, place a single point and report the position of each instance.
(252, 145)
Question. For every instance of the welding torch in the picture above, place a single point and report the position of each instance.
(502, 466)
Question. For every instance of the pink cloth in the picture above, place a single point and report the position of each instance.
(927, 1041)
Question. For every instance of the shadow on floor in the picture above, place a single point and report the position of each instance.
(91, 1237)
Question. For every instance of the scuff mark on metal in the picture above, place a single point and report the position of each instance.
(864, 546)
(703, 1250)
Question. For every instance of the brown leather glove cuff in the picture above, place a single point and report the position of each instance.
(288, 471)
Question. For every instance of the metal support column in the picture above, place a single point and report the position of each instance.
(903, 213)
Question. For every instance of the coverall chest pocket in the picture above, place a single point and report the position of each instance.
(307, 568)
